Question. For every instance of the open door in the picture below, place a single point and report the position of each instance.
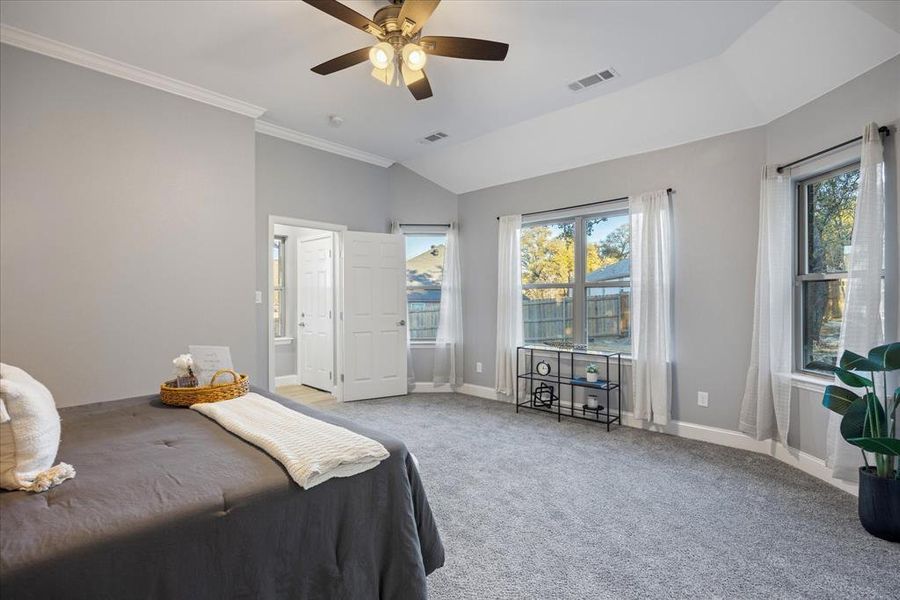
(374, 315)
(315, 329)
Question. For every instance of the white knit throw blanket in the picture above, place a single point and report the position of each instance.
(311, 450)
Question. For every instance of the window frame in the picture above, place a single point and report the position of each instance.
(280, 326)
(801, 260)
(422, 232)
(579, 284)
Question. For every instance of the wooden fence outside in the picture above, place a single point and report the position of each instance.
(423, 320)
(545, 320)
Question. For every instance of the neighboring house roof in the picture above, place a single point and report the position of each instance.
(613, 272)
(427, 268)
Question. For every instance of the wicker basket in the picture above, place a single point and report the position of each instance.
(175, 396)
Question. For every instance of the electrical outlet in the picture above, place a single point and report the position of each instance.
(703, 398)
(478, 367)
(258, 297)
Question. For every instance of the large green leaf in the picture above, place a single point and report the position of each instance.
(879, 445)
(854, 362)
(887, 356)
(848, 377)
(838, 399)
(855, 425)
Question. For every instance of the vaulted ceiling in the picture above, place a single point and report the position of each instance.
(687, 70)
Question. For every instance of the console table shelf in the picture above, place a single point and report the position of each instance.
(609, 363)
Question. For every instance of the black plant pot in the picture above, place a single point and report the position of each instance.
(879, 504)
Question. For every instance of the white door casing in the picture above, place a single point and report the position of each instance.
(315, 327)
(374, 315)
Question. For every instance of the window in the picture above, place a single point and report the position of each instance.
(424, 273)
(826, 209)
(576, 282)
(278, 305)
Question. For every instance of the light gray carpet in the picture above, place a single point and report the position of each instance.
(532, 508)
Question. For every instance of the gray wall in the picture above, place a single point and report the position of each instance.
(124, 230)
(840, 115)
(715, 236)
(304, 183)
(716, 184)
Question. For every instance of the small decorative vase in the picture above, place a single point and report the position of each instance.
(591, 377)
(879, 504)
(592, 400)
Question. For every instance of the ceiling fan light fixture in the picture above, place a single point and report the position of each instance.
(414, 57)
(381, 55)
(385, 76)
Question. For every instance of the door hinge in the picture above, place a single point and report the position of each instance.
(342, 315)
(329, 374)
(342, 377)
(329, 314)
(329, 254)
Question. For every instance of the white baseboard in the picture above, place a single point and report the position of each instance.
(714, 435)
(428, 387)
(479, 391)
(285, 380)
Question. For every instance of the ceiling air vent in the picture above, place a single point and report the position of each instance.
(593, 79)
(434, 137)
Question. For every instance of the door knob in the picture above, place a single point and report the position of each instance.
(301, 324)
(401, 322)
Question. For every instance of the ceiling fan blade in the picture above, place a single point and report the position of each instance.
(459, 47)
(420, 88)
(417, 12)
(347, 15)
(342, 62)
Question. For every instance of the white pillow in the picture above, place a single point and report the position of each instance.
(29, 434)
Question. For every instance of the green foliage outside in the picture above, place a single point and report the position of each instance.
(548, 255)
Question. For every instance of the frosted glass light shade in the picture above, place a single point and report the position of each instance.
(381, 55)
(414, 57)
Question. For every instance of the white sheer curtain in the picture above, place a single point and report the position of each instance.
(509, 302)
(410, 373)
(863, 324)
(766, 407)
(651, 293)
(448, 351)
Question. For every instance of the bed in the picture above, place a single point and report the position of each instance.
(168, 504)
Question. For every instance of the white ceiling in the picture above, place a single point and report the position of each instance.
(688, 70)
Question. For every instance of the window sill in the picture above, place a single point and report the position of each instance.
(810, 383)
(284, 341)
(581, 358)
(423, 344)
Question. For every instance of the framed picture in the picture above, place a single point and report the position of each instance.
(208, 360)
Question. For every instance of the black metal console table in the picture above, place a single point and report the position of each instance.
(550, 401)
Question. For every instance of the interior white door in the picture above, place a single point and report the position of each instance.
(374, 315)
(315, 328)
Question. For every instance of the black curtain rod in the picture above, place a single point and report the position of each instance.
(586, 204)
(425, 225)
(882, 130)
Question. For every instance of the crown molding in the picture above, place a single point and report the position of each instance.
(33, 42)
(318, 143)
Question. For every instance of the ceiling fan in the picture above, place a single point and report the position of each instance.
(401, 51)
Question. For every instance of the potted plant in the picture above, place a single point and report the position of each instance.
(870, 423)
(591, 373)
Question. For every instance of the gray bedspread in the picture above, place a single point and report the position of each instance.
(168, 504)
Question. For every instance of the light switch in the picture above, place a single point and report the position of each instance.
(258, 297)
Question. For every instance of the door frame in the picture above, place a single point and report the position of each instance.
(323, 234)
(338, 299)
